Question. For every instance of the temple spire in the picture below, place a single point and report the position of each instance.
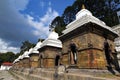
(83, 6)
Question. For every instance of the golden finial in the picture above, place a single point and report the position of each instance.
(83, 6)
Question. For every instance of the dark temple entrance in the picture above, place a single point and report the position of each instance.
(57, 58)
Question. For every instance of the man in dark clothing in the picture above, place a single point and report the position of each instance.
(73, 49)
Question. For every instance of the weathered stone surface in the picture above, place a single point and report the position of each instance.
(47, 56)
(73, 74)
(86, 57)
(34, 60)
(5, 75)
(26, 63)
(61, 69)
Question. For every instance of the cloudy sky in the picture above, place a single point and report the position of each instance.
(22, 20)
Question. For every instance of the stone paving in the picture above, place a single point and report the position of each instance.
(5, 75)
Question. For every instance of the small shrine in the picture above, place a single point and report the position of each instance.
(84, 42)
(26, 61)
(50, 51)
(16, 63)
(34, 56)
(20, 61)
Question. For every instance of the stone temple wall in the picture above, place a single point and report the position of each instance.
(97, 56)
(48, 57)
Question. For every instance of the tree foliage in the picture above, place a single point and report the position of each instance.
(105, 10)
(7, 57)
(10, 56)
(26, 45)
(58, 24)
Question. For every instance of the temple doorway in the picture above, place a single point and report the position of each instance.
(41, 61)
(73, 53)
(57, 60)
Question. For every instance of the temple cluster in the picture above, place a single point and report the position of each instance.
(87, 42)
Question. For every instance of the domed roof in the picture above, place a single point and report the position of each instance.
(52, 40)
(82, 13)
(20, 57)
(83, 17)
(38, 45)
(53, 35)
(16, 60)
(35, 52)
(26, 54)
(30, 50)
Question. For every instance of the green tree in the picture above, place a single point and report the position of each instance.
(105, 10)
(26, 45)
(69, 14)
(7, 57)
(58, 24)
(10, 56)
(40, 39)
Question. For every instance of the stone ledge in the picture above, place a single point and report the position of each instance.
(18, 77)
(45, 74)
(26, 76)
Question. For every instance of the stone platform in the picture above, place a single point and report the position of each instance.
(68, 74)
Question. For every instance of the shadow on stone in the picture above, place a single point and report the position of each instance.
(31, 70)
(56, 76)
(111, 70)
(72, 67)
(1, 78)
(118, 70)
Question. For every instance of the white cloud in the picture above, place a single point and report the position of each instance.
(4, 47)
(14, 28)
(42, 27)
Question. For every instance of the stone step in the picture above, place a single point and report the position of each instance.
(25, 76)
(18, 77)
(73, 74)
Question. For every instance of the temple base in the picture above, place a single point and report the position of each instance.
(73, 66)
